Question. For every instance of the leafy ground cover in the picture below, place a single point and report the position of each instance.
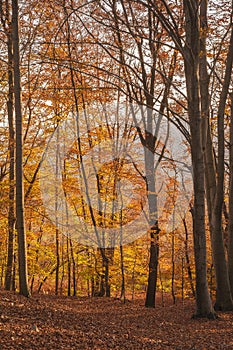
(59, 322)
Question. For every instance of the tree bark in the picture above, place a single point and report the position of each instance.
(153, 266)
(214, 186)
(223, 294)
(204, 306)
(122, 295)
(73, 267)
(11, 210)
(20, 225)
(57, 262)
(230, 226)
(190, 275)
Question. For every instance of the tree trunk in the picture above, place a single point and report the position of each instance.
(153, 266)
(57, 238)
(57, 262)
(214, 187)
(223, 294)
(230, 226)
(20, 225)
(68, 267)
(11, 210)
(73, 268)
(106, 277)
(190, 276)
(107, 259)
(204, 306)
(122, 274)
(173, 268)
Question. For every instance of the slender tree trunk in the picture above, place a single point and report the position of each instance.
(73, 267)
(153, 266)
(106, 277)
(162, 287)
(68, 267)
(133, 277)
(20, 225)
(11, 210)
(57, 262)
(14, 273)
(190, 276)
(57, 238)
(122, 274)
(173, 268)
(182, 279)
(230, 226)
(153, 210)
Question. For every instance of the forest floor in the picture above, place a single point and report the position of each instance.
(59, 322)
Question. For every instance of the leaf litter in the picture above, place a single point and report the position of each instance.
(60, 322)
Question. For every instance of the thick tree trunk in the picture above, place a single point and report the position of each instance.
(214, 187)
(20, 225)
(223, 294)
(203, 301)
(204, 306)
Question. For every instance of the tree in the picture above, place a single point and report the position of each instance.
(6, 23)
(191, 62)
(191, 54)
(223, 292)
(20, 224)
(230, 244)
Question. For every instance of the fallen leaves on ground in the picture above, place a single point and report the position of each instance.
(59, 322)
